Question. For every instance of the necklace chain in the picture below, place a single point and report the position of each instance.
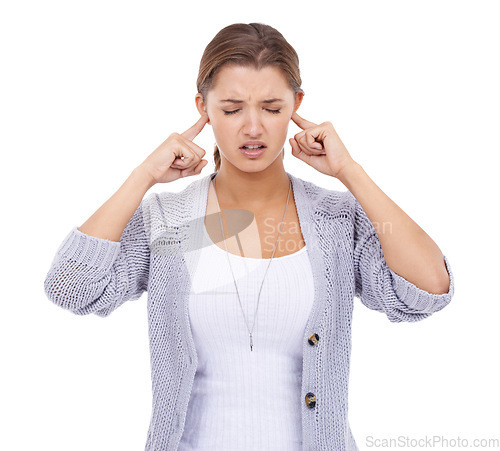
(270, 260)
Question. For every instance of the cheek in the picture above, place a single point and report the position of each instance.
(280, 127)
(219, 128)
(224, 134)
(226, 129)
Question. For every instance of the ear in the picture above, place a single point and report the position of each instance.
(200, 105)
(298, 100)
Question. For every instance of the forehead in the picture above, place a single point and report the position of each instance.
(247, 83)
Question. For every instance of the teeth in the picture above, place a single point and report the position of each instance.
(252, 147)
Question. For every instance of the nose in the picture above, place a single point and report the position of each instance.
(252, 123)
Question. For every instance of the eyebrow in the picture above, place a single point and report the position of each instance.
(241, 101)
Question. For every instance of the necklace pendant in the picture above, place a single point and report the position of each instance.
(272, 256)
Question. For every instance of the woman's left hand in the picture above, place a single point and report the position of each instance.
(320, 147)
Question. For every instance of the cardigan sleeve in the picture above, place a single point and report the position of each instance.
(96, 275)
(380, 288)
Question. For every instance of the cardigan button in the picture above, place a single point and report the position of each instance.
(310, 400)
(313, 339)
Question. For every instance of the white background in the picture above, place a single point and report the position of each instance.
(90, 89)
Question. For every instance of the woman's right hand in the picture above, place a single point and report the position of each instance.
(178, 156)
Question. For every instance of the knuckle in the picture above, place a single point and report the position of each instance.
(174, 137)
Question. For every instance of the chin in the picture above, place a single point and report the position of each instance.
(249, 165)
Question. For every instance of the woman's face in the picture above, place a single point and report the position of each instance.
(249, 105)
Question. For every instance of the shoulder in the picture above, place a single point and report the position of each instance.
(174, 199)
(170, 210)
(185, 194)
(327, 203)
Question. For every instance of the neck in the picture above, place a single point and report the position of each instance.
(254, 190)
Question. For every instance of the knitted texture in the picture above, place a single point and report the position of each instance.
(93, 275)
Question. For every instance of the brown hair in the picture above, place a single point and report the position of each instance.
(253, 45)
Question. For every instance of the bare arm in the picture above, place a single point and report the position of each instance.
(408, 250)
(176, 157)
(105, 262)
(110, 219)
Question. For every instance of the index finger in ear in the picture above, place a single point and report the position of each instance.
(301, 122)
(193, 131)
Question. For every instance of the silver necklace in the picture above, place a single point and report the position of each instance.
(270, 260)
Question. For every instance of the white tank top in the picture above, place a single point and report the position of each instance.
(242, 399)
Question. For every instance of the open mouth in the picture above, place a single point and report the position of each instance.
(253, 148)
(253, 151)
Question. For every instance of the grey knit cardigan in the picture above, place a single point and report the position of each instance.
(94, 275)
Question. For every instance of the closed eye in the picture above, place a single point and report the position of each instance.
(235, 111)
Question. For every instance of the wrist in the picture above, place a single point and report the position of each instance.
(143, 178)
(348, 171)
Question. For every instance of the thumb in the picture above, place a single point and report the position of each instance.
(296, 152)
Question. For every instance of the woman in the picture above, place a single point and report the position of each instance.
(245, 354)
